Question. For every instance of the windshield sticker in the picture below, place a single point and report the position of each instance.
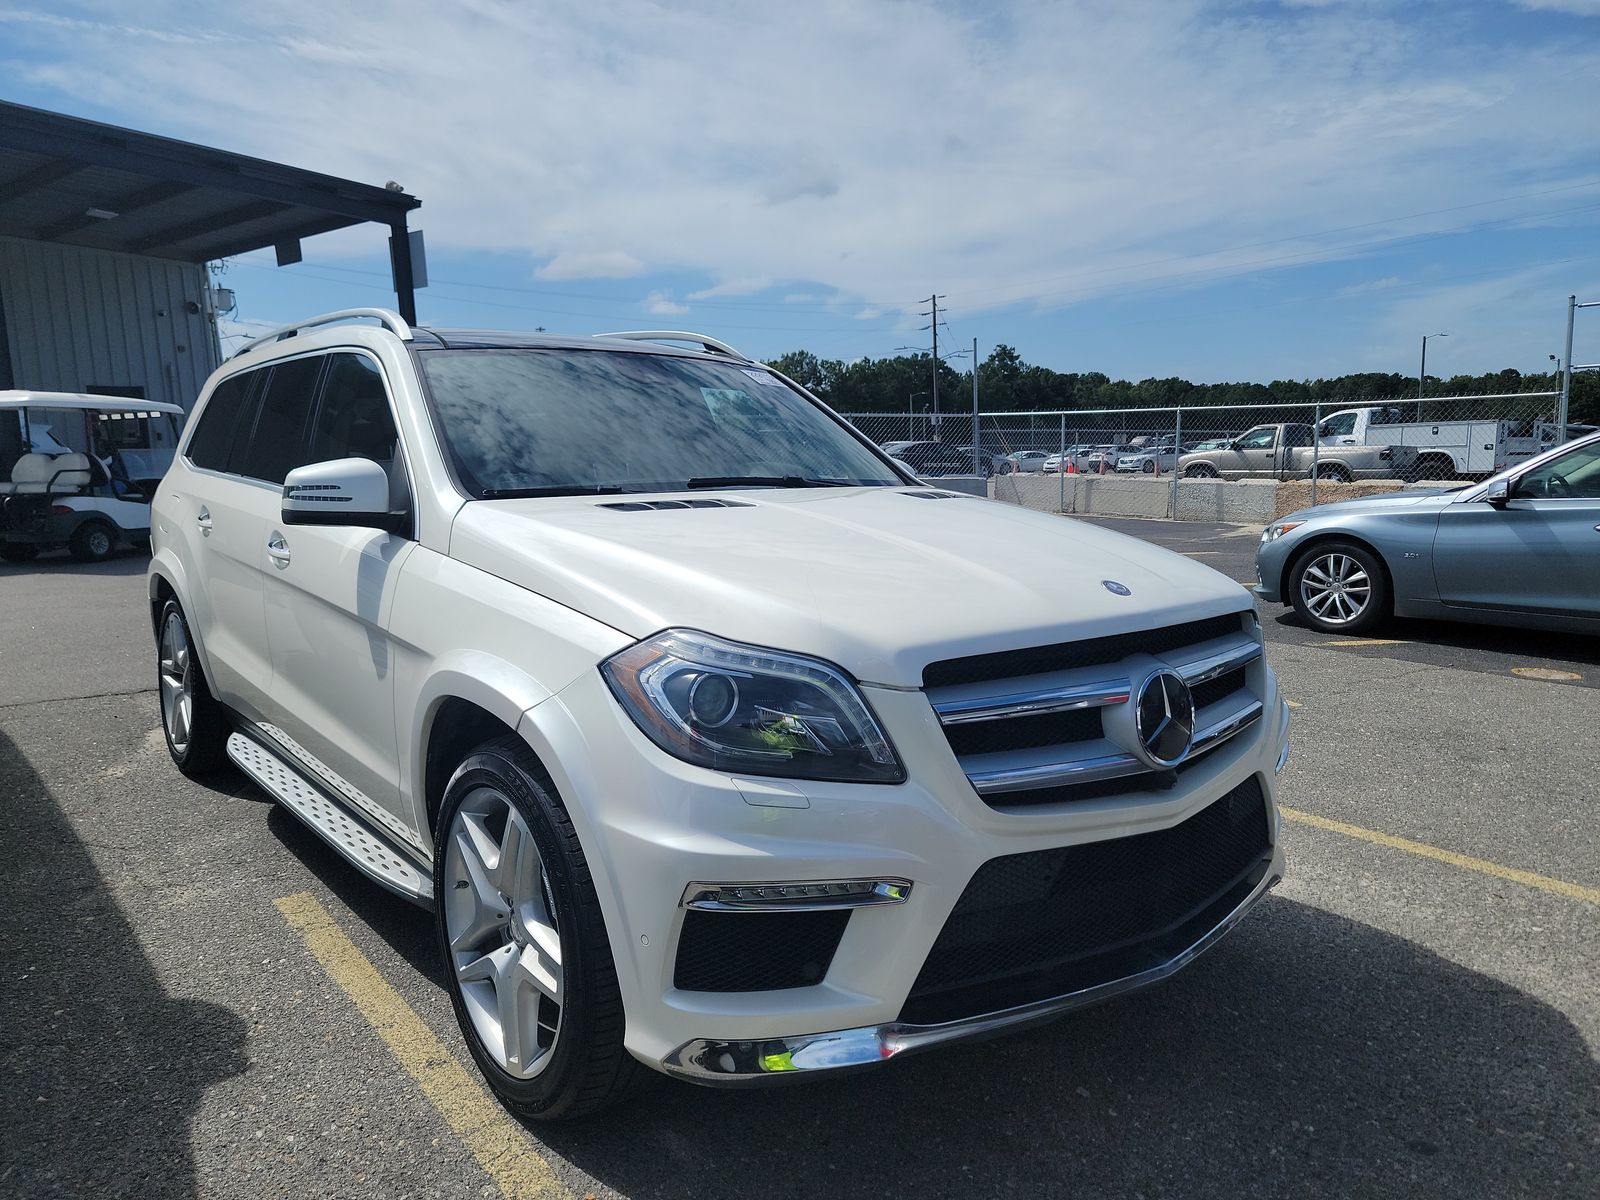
(766, 378)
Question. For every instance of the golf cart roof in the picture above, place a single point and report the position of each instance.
(14, 400)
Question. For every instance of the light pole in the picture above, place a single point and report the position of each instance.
(911, 415)
(1422, 371)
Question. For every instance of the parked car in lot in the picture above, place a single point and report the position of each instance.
(1027, 460)
(934, 458)
(1156, 454)
(1522, 548)
(1285, 451)
(79, 470)
(1444, 449)
(705, 732)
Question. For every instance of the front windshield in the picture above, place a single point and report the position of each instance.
(521, 422)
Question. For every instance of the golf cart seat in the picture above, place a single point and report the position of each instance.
(36, 474)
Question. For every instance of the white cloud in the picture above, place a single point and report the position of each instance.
(663, 305)
(1577, 8)
(1067, 151)
(871, 312)
(590, 264)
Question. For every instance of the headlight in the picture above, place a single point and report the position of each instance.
(739, 708)
(1273, 532)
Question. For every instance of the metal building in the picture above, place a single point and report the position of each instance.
(104, 237)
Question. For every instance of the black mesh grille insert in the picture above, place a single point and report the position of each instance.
(1036, 660)
(1016, 733)
(756, 951)
(1213, 690)
(1032, 926)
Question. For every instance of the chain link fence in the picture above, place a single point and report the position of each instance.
(1222, 463)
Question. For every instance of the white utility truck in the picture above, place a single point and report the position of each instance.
(1444, 449)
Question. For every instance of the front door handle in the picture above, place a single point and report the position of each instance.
(278, 550)
(203, 519)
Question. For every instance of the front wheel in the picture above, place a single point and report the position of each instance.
(194, 723)
(1339, 587)
(93, 541)
(1200, 471)
(529, 968)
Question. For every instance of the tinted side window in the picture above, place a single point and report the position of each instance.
(214, 435)
(1297, 435)
(278, 442)
(353, 420)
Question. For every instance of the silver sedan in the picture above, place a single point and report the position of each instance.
(1521, 548)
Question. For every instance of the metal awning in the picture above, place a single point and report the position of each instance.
(81, 183)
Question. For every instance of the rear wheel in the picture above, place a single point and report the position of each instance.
(519, 925)
(1434, 466)
(93, 541)
(18, 552)
(1333, 473)
(1339, 587)
(193, 721)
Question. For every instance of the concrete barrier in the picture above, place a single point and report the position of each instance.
(1243, 502)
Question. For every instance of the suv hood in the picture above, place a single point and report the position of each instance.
(880, 581)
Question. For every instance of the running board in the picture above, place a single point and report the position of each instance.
(371, 854)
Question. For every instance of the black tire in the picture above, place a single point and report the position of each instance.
(205, 750)
(1368, 571)
(589, 1068)
(93, 541)
(18, 552)
(1333, 473)
(1434, 467)
(1200, 471)
(1149, 467)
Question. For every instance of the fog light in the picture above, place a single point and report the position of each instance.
(807, 894)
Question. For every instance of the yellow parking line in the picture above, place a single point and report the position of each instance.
(1368, 642)
(1292, 703)
(1466, 862)
(500, 1145)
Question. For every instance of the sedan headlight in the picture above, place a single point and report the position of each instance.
(1275, 531)
(750, 710)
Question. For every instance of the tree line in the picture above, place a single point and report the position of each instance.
(1008, 384)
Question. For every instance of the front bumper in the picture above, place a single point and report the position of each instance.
(779, 1060)
(651, 826)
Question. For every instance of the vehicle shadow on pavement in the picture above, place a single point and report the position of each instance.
(1308, 1055)
(122, 562)
(1533, 644)
(102, 1067)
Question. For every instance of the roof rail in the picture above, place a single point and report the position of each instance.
(677, 335)
(385, 316)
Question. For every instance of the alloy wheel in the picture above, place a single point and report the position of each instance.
(1336, 588)
(177, 683)
(505, 946)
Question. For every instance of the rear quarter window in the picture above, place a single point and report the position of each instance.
(213, 435)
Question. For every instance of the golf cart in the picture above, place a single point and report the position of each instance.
(79, 471)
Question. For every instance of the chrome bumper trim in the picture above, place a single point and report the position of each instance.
(788, 1059)
(813, 895)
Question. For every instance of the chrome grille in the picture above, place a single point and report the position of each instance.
(1055, 730)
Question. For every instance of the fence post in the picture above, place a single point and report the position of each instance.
(1316, 450)
(1177, 453)
(1061, 470)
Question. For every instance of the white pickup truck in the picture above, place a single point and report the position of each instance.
(1444, 449)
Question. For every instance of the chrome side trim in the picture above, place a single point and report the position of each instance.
(1044, 700)
(809, 895)
(1083, 770)
(785, 1059)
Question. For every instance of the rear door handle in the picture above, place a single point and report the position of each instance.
(203, 519)
(278, 550)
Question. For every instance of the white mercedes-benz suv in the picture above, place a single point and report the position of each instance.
(696, 722)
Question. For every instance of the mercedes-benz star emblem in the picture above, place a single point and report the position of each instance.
(1115, 588)
(1164, 718)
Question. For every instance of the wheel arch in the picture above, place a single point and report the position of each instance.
(1322, 539)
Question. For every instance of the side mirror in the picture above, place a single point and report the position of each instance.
(353, 492)
(1498, 493)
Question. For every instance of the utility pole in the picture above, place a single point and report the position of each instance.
(1566, 376)
(1422, 371)
(935, 301)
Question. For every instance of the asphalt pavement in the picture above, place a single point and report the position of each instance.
(1414, 1012)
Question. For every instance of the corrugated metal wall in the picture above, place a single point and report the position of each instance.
(78, 318)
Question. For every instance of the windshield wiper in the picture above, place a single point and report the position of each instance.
(560, 489)
(786, 481)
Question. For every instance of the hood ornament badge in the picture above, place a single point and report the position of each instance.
(1115, 588)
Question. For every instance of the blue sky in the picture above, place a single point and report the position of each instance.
(1205, 188)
